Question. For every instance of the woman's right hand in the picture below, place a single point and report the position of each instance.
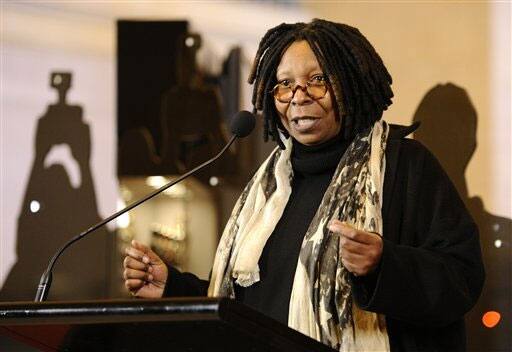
(145, 274)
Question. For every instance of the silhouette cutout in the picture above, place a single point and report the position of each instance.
(55, 209)
(192, 126)
(448, 129)
(191, 117)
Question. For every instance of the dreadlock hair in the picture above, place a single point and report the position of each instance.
(356, 74)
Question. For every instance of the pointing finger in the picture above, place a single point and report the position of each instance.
(352, 233)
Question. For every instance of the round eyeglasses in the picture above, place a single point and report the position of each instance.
(316, 88)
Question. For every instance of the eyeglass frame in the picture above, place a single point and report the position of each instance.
(303, 88)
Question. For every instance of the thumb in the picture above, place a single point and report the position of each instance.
(151, 256)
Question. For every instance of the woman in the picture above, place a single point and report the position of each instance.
(348, 232)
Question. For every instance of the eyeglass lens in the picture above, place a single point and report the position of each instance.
(285, 93)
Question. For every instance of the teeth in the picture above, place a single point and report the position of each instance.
(304, 122)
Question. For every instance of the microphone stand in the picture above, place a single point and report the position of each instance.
(46, 278)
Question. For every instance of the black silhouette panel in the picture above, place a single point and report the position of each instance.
(192, 107)
(448, 129)
(191, 118)
(146, 61)
(55, 209)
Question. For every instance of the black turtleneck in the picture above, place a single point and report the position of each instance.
(313, 168)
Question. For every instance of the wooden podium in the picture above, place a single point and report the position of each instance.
(177, 324)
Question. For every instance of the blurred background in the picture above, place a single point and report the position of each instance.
(102, 102)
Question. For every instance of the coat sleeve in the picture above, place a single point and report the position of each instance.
(431, 270)
(184, 284)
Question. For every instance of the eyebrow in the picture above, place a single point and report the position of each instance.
(311, 71)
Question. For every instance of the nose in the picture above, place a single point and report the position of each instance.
(301, 97)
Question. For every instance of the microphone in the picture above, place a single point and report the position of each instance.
(241, 126)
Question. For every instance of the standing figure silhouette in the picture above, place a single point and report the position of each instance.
(58, 206)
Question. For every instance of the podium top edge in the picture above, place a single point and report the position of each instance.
(16, 312)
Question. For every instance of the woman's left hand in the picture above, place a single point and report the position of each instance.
(360, 251)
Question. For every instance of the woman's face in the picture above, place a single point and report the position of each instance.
(307, 120)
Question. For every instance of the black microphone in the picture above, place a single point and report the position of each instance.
(241, 126)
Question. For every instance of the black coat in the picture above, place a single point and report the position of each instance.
(431, 270)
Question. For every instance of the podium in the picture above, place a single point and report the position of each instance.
(176, 324)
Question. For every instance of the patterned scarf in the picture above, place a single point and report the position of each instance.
(321, 304)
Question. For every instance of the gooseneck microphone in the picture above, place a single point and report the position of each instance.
(241, 126)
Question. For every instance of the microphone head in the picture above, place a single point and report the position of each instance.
(242, 124)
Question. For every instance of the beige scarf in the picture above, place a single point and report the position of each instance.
(321, 304)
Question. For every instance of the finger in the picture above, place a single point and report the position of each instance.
(132, 263)
(348, 265)
(349, 245)
(353, 268)
(341, 227)
(148, 252)
(137, 274)
(355, 235)
(359, 264)
(350, 232)
(371, 253)
(345, 252)
(356, 260)
(133, 284)
(136, 254)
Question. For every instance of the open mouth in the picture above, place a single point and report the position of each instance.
(304, 123)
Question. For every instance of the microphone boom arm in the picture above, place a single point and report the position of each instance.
(46, 278)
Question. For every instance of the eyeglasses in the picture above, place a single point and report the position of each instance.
(316, 88)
